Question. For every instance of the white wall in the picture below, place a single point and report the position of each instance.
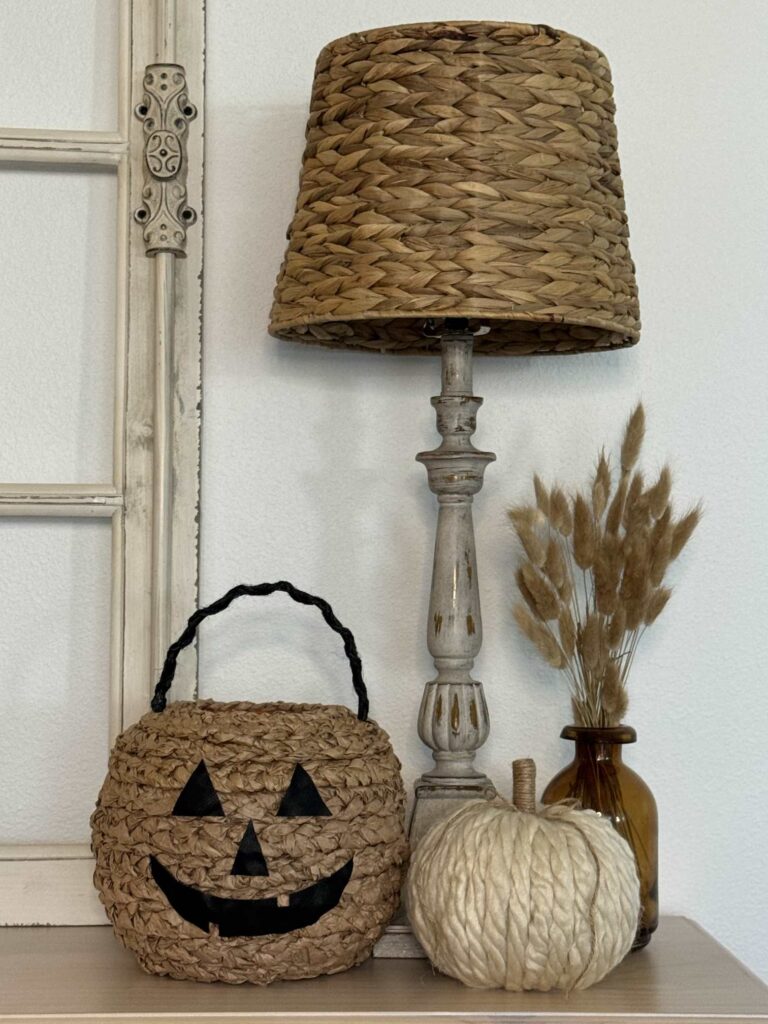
(308, 470)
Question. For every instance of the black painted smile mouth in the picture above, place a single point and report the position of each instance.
(245, 917)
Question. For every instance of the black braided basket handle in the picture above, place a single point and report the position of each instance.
(258, 590)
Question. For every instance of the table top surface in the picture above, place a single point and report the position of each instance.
(57, 974)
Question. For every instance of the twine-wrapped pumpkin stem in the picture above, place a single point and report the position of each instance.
(524, 784)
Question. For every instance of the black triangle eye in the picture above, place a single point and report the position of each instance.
(198, 799)
(301, 799)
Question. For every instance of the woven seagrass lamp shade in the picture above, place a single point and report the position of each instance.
(462, 169)
(460, 191)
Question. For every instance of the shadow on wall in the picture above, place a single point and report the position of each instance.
(331, 478)
(245, 240)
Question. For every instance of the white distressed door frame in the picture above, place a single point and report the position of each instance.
(152, 499)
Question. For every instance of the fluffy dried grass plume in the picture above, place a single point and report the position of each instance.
(542, 495)
(601, 486)
(592, 579)
(546, 602)
(548, 647)
(584, 540)
(559, 515)
(683, 530)
(634, 435)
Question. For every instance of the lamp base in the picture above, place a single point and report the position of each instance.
(437, 799)
(453, 718)
(398, 941)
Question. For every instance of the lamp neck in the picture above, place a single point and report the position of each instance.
(456, 348)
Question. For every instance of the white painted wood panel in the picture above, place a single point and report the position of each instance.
(58, 60)
(55, 590)
(155, 427)
(57, 322)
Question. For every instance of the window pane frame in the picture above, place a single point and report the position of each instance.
(51, 883)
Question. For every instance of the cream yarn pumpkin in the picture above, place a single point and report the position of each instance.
(503, 896)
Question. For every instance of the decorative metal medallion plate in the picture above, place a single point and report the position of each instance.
(166, 112)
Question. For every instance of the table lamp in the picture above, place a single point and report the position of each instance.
(460, 191)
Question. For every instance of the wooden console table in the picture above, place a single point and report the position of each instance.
(82, 974)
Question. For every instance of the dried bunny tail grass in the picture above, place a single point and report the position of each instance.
(636, 510)
(532, 545)
(583, 533)
(525, 593)
(623, 537)
(539, 635)
(614, 697)
(633, 439)
(592, 642)
(579, 711)
(566, 591)
(567, 629)
(542, 495)
(554, 566)
(658, 495)
(635, 610)
(606, 573)
(616, 508)
(656, 604)
(661, 547)
(526, 516)
(524, 519)
(617, 628)
(560, 512)
(541, 590)
(606, 598)
(683, 529)
(601, 486)
(662, 526)
(634, 582)
(565, 587)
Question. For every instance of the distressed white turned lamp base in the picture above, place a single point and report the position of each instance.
(453, 717)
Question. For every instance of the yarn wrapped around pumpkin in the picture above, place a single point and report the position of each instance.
(522, 900)
(221, 827)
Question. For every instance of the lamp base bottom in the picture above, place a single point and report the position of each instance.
(436, 799)
(398, 941)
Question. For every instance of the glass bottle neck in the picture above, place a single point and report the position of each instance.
(598, 750)
(599, 744)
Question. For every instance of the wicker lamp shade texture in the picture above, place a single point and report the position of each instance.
(460, 169)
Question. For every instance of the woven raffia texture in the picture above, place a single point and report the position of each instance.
(462, 169)
(250, 751)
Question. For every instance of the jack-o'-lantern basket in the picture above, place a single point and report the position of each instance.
(251, 842)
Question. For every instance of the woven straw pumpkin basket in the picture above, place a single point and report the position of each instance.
(251, 842)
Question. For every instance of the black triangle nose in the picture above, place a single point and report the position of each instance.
(249, 859)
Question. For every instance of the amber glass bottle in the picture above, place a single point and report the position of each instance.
(598, 779)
